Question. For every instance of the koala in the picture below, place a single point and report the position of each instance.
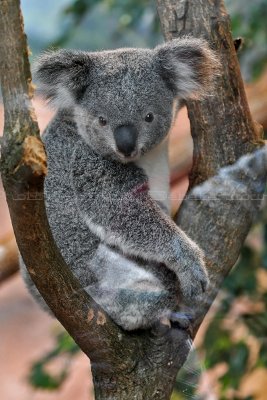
(107, 188)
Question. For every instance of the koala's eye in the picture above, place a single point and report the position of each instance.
(102, 121)
(149, 117)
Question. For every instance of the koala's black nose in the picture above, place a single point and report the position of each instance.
(126, 138)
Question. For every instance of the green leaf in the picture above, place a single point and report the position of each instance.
(41, 379)
(237, 366)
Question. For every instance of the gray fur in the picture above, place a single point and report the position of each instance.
(124, 249)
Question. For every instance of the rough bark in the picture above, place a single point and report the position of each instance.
(140, 365)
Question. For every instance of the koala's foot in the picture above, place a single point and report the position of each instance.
(134, 308)
(141, 310)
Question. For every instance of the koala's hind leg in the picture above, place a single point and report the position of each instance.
(132, 295)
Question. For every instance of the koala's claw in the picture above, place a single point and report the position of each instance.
(182, 319)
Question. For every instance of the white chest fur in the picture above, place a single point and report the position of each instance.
(156, 166)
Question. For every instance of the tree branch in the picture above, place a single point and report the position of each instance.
(222, 127)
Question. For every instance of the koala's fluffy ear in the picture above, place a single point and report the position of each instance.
(188, 66)
(62, 76)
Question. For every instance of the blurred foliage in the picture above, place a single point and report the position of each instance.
(135, 22)
(119, 22)
(40, 378)
(249, 20)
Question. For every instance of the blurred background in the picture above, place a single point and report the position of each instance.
(38, 360)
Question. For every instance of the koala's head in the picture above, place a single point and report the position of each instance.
(125, 101)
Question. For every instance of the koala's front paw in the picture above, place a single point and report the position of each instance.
(193, 276)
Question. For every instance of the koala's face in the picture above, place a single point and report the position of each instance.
(127, 109)
(125, 101)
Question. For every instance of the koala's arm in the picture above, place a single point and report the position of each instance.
(114, 202)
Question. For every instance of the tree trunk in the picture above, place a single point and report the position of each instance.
(138, 365)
